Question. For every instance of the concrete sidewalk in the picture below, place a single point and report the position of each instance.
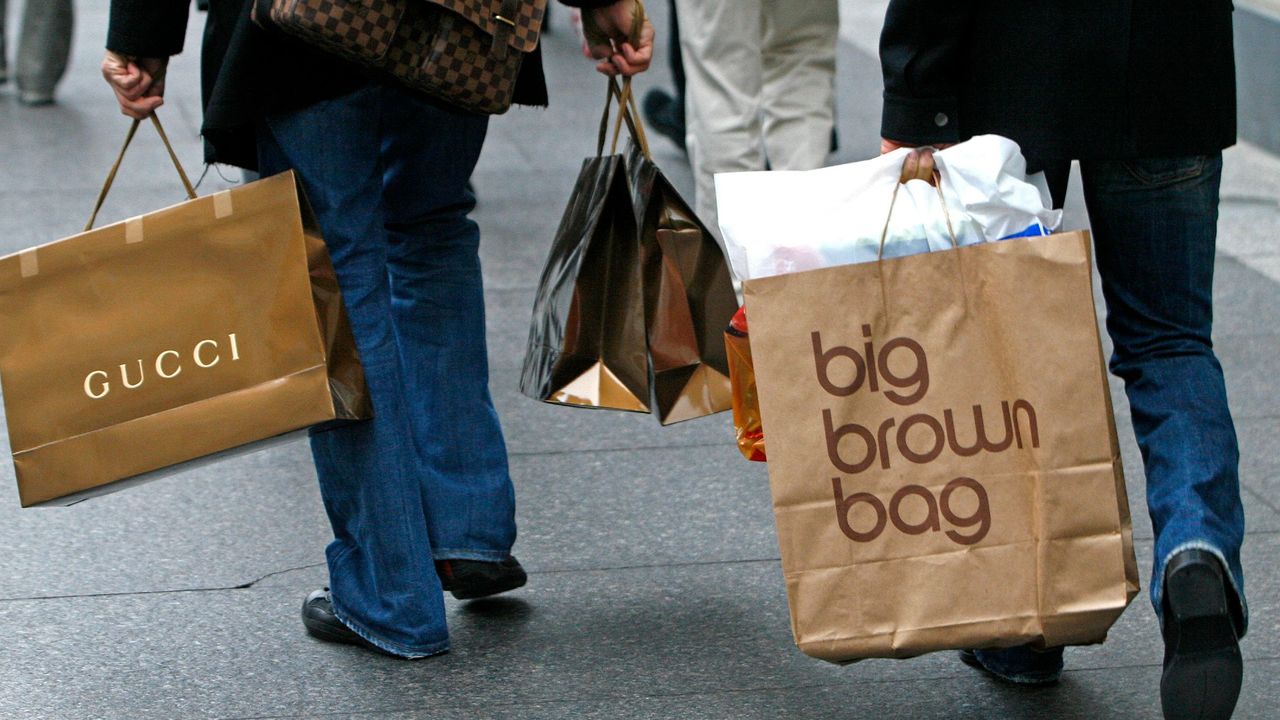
(655, 588)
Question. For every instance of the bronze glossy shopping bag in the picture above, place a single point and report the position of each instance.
(587, 342)
(689, 295)
(634, 295)
(942, 454)
(171, 336)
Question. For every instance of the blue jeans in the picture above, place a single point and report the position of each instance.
(426, 479)
(1155, 230)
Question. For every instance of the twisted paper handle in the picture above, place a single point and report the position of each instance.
(111, 176)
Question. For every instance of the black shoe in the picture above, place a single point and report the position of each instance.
(665, 115)
(471, 579)
(1202, 663)
(322, 624)
(1021, 665)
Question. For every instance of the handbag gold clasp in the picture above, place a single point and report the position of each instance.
(504, 20)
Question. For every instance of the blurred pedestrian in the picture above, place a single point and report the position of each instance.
(759, 87)
(664, 111)
(1143, 95)
(44, 46)
(420, 498)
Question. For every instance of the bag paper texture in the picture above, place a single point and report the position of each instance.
(172, 336)
(942, 454)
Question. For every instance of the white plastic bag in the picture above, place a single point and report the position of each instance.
(790, 221)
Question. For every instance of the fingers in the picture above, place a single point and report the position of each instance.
(625, 60)
(631, 60)
(138, 83)
(918, 165)
(140, 95)
(598, 50)
(887, 146)
(608, 32)
(140, 109)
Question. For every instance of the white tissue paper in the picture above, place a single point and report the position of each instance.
(789, 221)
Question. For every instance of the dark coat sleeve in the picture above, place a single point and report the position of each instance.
(147, 28)
(922, 50)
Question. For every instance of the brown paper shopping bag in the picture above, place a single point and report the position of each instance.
(942, 454)
(171, 336)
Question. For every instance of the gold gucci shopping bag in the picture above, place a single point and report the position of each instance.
(171, 336)
(942, 454)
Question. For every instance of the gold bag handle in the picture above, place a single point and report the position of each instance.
(111, 176)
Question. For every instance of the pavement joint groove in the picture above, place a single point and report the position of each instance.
(601, 450)
(652, 566)
(169, 591)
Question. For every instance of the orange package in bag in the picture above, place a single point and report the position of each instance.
(742, 376)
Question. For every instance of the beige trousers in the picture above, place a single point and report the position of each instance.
(760, 87)
(44, 45)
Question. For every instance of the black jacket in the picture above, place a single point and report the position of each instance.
(248, 72)
(1066, 79)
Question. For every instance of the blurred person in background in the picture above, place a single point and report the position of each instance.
(44, 46)
(664, 111)
(759, 87)
(1142, 93)
(419, 498)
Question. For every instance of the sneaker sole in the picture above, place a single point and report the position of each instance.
(1201, 684)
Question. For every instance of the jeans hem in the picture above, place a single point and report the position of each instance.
(463, 554)
(1158, 590)
(403, 651)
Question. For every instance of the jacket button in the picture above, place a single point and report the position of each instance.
(941, 119)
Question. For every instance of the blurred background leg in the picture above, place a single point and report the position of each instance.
(43, 49)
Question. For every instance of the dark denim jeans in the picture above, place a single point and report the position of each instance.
(1155, 230)
(427, 478)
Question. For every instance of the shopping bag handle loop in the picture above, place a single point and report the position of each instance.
(111, 176)
(627, 109)
(626, 114)
(634, 122)
(937, 185)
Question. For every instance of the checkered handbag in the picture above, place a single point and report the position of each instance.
(465, 52)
